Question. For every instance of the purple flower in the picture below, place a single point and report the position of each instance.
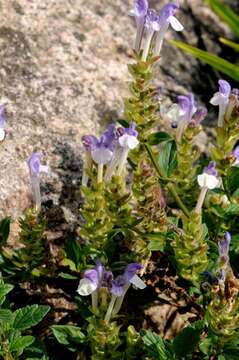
(221, 99)
(34, 164)
(89, 142)
(223, 247)
(152, 25)
(122, 282)
(118, 285)
(35, 169)
(187, 107)
(140, 8)
(186, 111)
(166, 18)
(101, 150)
(2, 116)
(152, 20)
(211, 169)
(140, 11)
(128, 139)
(198, 117)
(235, 153)
(224, 88)
(94, 279)
(2, 122)
(131, 270)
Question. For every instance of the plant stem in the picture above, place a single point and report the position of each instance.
(6, 352)
(110, 308)
(170, 185)
(174, 193)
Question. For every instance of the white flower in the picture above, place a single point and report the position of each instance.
(128, 141)
(86, 287)
(207, 181)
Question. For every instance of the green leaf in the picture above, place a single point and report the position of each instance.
(157, 241)
(4, 230)
(6, 315)
(230, 43)
(186, 341)
(232, 210)
(215, 61)
(4, 290)
(29, 316)
(231, 181)
(158, 137)
(167, 159)
(18, 345)
(123, 123)
(73, 251)
(155, 346)
(226, 14)
(68, 276)
(69, 335)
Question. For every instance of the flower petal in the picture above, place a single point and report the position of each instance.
(128, 141)
(101, 155)
(137, 282)
(86, 287)
(176, 25)
(208, 181)
(2, 134)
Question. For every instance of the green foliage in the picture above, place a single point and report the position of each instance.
(13, 342)
(215, 61)
(32, 237)
(158, 137)
(226, 14)
(186, 341)
(69, 335)
(4, 230)
(191, 242)
(29, 316)
(156, 347)
(167, 159)
(229, 43)
(232, 19)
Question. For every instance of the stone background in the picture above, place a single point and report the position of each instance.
(63, 74)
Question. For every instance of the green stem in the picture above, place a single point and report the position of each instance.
(170, 185)
(6, 352)
(174, 193)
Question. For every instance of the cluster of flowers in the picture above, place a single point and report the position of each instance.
(111, 149)
(154, 25)
(98, 278)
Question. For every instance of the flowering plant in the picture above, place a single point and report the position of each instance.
(146, 191)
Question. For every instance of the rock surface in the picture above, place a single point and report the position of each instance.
(63, 74)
